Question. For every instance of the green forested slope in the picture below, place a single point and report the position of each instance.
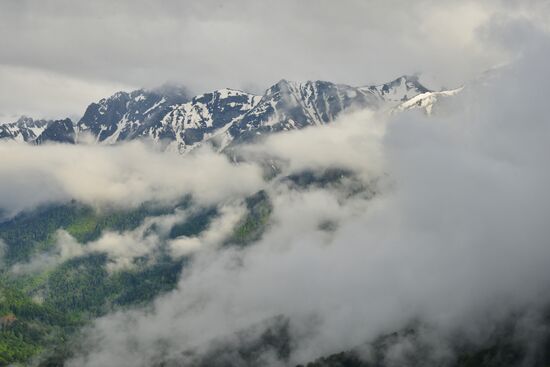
(42, 309)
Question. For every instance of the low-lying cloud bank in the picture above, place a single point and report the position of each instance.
(456, 237)
(124, 175)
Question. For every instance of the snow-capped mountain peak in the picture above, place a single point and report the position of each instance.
(226, 116)
(398, 90)
(25, 129)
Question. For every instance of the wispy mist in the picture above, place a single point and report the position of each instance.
(123, 175)
(455, 236)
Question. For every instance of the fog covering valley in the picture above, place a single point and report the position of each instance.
(381, 237)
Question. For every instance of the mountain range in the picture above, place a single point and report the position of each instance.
(169, 116)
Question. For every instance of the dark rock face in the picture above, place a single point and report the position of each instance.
(122, 116)
(60, 131)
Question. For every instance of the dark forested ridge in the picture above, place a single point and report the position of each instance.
(501, 348)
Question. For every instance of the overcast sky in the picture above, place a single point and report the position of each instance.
(59, 55)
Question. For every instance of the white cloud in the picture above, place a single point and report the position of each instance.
(352, 142)
(220, 229)
(457, 238)
(46, 94)
(122, 175)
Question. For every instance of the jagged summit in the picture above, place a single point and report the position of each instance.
(121, 116)
(25, 129)
(400, 89)
(168, 115)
